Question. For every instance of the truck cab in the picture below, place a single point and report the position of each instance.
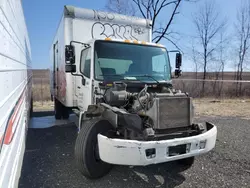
(103, 62)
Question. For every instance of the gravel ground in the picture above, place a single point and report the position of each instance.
(49, 162)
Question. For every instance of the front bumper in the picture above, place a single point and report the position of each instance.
(132, 152)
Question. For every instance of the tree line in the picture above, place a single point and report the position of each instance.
(210, 42)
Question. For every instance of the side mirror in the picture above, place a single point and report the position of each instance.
(69, 54)
(70, 68)
(177, 72)
(178, 60)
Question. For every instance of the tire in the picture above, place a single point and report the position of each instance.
(65, 112)
(31, 107)
(187, 162)
(58, 107)
(87, 159)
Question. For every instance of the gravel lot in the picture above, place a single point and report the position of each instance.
(49, 162)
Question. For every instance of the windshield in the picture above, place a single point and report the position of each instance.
(120, 61)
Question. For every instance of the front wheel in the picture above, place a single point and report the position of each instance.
(86, 149)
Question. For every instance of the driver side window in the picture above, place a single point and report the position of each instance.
(85, 62)
(158, 63)
(160, 66)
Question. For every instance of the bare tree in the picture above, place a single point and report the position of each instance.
(208, 25)
(220, 58)
(225, 55)
(121, 7)
(151, 9)
(222, 50)
(195, 61)
(243, 36)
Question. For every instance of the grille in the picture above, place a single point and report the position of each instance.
(174, 112)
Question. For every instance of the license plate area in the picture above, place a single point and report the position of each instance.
(178, 150)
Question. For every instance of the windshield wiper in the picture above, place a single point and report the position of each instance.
(140, 75)
(110, 75)
(122, 77)
(146, 75)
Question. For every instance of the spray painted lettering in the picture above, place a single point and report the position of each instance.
(128, 18)
(139, 30)
(103, 15)
(101, 30)
(111, 16)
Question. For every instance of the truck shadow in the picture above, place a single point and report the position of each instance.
(160, 175)
(49, 162)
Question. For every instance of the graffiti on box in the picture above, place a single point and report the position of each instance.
(106, 30)
(102, 30)
(111, 16)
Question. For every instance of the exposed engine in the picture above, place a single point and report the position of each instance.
(117, 95)
(148, 113)
(133, 102)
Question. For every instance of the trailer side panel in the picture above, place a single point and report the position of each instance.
(15, 86)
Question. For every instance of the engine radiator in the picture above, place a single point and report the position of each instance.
(172, 112)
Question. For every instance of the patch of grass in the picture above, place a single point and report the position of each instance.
(41, 92)
(222, 107)
(43, 106)
(203, 106)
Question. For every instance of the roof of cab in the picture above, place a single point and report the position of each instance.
(128, 41)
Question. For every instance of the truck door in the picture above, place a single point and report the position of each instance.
(84, 91)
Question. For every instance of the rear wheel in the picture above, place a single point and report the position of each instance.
(86, 149)
(58, 109)
(31, 107)
(65, 112)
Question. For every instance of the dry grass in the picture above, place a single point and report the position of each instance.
(43, 106)
(223, 107)
(41, 92)
(203, 107)
(206, 107)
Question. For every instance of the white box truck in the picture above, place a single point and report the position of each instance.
(118, 82)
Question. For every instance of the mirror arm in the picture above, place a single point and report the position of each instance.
(77, 42)
(77, 75)
(178, 51)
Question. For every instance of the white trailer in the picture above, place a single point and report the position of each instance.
(15, 90)
(107, 70)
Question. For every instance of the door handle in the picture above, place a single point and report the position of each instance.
(78, 87)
